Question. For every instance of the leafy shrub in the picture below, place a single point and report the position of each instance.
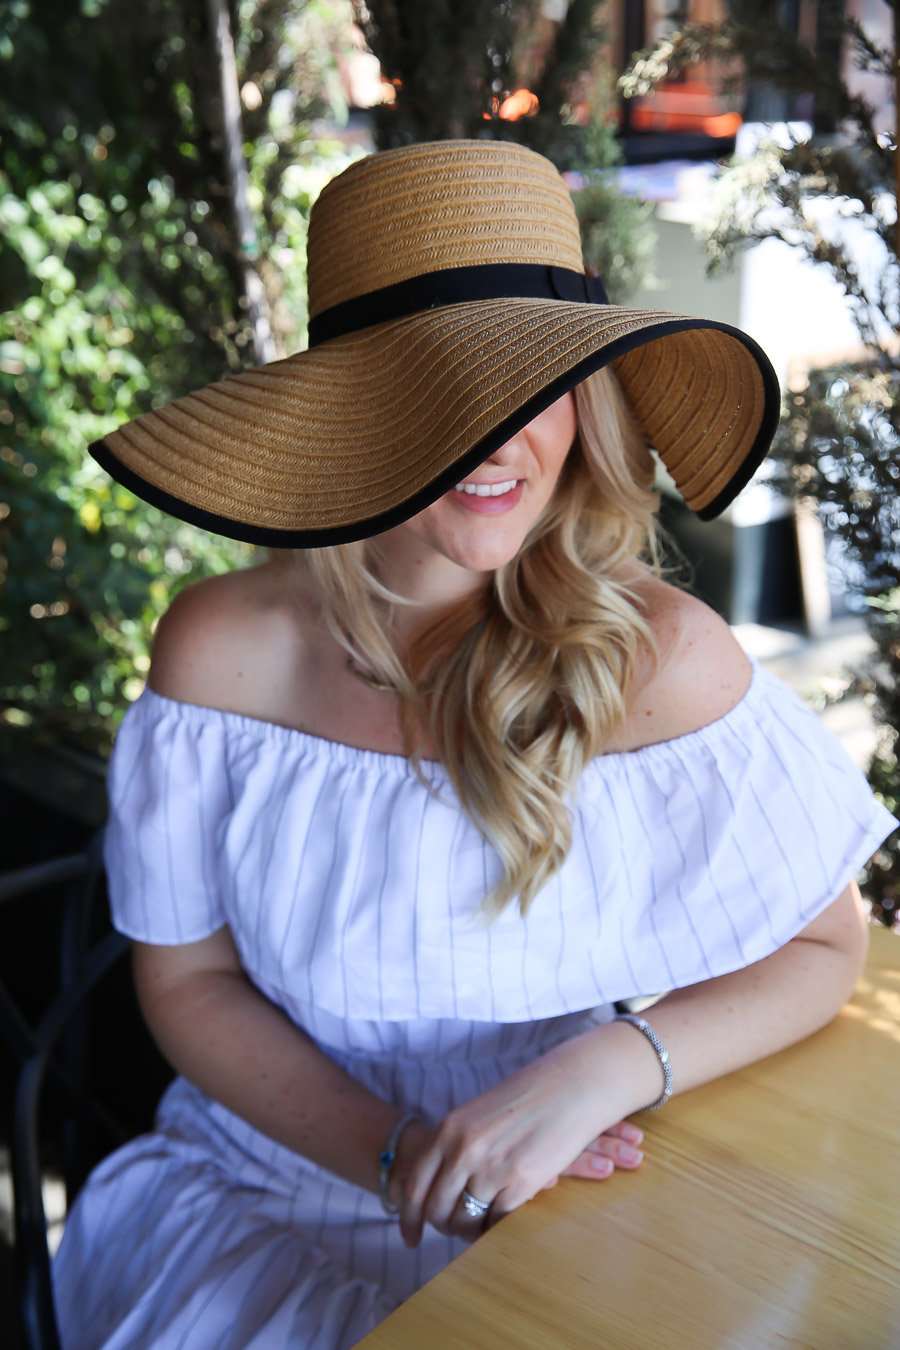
(121, 287)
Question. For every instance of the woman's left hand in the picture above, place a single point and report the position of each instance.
(507, 1144)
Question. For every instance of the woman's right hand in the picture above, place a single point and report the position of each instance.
(507, 1144)
(617, 1148)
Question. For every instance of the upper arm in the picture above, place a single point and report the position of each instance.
(843, 925)
(161, 970)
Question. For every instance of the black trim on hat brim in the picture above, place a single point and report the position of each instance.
(321, 537)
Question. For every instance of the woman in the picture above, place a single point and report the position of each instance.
(398, 820)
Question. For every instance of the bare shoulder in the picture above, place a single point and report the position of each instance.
(701, 672)
(224, 641)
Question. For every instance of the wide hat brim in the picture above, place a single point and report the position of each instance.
(360, 433)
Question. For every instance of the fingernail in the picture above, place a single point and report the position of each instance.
(632, 1134)
(629, 1154)
(602, 1165)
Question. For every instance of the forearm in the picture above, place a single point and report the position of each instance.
(716, 1027)
(224, 1036)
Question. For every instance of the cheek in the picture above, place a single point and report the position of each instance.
(433, 525)
(420, 526)
(557, 457)
(559, 428)
(569, 416)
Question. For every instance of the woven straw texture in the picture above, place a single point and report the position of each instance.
(456, 204)
(359, 426)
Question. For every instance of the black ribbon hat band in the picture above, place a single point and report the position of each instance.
(455, 286)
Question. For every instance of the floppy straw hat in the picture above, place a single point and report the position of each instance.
(448, 307)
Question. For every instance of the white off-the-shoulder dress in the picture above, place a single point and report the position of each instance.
(352, 891)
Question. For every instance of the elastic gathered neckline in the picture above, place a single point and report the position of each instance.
(341, 752)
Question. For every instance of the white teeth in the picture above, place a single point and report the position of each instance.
(486, 489)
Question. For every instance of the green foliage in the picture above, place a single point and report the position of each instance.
(452, 66)
(446, 59)
(120, 289)
(617, 238)
(778, 192)
(839, 441)
(884, 771)
(121, 285)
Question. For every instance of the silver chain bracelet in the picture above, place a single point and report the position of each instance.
(662, 1054)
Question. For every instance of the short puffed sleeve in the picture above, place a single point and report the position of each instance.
(168, 793)
(727, 842)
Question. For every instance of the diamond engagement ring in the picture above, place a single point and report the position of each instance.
(475, 1208)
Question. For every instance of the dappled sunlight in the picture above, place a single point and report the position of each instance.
(876, 1003)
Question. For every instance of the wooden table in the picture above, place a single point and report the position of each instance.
(766, 1214)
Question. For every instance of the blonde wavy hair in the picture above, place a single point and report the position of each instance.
(534, 672)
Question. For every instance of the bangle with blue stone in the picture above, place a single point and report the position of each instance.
(386, 1159)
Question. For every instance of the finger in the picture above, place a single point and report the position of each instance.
(613, 1146)
(601, 1159)
(504, 1203)
(445, 1207)
(415, 1196)
(591, 1167)
(625, 1130)
(464, 1224)
(440, 1205)
(622, 1154)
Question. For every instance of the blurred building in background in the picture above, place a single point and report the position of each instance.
(758, 563)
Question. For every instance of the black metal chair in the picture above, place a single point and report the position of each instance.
(57, 1067)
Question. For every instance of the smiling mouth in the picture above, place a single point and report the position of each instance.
(487, 489)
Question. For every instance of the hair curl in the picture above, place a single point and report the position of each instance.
(535, 670)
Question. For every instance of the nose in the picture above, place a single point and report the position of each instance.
(505, 453)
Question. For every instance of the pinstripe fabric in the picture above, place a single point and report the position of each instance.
(690, 858)
(353, 896)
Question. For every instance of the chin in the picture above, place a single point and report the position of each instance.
(485, 556)
(477, 545)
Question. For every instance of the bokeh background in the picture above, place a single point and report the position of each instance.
(157, 167)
